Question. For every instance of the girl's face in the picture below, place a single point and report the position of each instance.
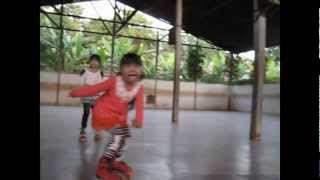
(94, 64)
(131, 73)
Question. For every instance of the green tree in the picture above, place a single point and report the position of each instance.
(50, 39)
(273, 52)
(272, 73)
(194, 63)
(214, 67)
(194, 67)
(166, 61)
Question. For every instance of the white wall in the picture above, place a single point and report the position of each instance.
(209, 96)
(241, 98)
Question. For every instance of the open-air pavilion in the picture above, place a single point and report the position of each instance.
(219, 145)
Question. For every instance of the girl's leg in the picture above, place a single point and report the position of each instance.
(113, 149)
(123, 144)
(117, 143)
(84, 122)
(85, 116)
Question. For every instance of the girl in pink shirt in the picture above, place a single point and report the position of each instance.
(89, 76)
(111, 109)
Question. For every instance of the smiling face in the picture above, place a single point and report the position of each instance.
(131, 73)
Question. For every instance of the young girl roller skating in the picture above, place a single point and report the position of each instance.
(111, 110)
(90, 76)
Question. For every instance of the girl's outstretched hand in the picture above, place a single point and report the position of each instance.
(136, 124)
(69, 95)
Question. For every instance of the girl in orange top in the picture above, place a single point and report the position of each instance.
(111, 109)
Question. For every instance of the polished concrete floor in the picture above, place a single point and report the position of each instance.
(203, 146)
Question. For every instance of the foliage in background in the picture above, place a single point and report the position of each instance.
(213, 66)
(194, 63)
(272, 65)
(166, 62)
(239, 70)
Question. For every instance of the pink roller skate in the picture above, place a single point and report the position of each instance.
(124, 167)
(115, 171)
(83, 136)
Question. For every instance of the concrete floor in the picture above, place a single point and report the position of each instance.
(203, 146)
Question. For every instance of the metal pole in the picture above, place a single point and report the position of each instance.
(195, 84)
(178, 57)
(61, 57)
(104, 20)
(50, 19)
(257, 96)
(195, 95)
(113, 37)
(231, 73)
(156, 77)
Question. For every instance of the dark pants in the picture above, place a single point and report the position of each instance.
(85, 116)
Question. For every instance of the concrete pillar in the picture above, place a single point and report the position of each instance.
(178, 57)
(259, 71)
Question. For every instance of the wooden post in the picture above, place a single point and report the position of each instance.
(195, 84)
(195, 95)
(231, 68)
(257, 95)
(113, 36)
(60, 62)
(156, 78)
(178, 57)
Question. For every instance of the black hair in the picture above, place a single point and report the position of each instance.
(130, 58)
(95, 57)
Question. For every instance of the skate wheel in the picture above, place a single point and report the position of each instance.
(97, 138)
(121, 175)
(82, 139)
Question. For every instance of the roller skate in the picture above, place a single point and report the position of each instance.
(114, 170)
(97, 137)
(83, 136)
(124, 167)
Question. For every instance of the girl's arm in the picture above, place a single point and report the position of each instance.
(92, 90)
(140, 106)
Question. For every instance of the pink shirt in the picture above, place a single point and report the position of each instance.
(91, 78)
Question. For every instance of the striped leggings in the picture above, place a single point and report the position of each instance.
(117, 142)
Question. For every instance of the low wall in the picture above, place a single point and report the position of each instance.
(241, 98)
(209, 96)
